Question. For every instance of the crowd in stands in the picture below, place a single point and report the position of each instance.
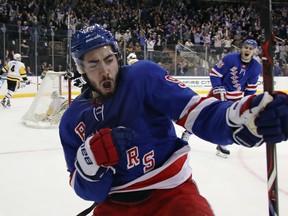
(154, 24)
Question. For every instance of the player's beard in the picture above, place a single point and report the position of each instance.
(106, 83)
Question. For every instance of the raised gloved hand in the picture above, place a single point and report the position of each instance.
(272, 122)
(219, 92)
(101, 151)
(79, 82)
(259, 118)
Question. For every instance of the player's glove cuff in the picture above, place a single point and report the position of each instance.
(219, 92)
(86, 164)
(244, 136)
(241, 118)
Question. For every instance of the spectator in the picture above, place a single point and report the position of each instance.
(227, 43)
(28, 71)
(59, 68)
(189, 44)
(182, 68)
(158, 43)
(197, 41)
(276, 69)
(285, 70)
(179, 47)
(150, 47)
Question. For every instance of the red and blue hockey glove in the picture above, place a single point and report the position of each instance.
(259, 118)
(241, 115)
(219, 92)
(101, 151)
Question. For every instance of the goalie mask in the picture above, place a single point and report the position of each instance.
(89, 38)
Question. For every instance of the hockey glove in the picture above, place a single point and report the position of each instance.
(79, 82)
(259, 119)
(101, 151)
(219, 92)
(272, 122)
(241, 115)
(68, 75)
(27, 82)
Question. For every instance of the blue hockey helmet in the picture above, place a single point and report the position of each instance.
(92, 37)
(250, 42)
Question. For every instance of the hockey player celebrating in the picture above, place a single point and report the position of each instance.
(16, 72)
(119, 140)
(235, 76)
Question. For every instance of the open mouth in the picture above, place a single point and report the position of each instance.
(107, 85)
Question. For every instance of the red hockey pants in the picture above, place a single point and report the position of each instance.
(183, 200)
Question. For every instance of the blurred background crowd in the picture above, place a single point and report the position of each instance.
(185, 37)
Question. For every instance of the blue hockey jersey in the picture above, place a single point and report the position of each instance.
(239, 79)
(148, 101)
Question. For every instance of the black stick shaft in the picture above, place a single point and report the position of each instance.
(268, 79)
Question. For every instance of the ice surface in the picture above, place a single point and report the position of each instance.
(34, 180)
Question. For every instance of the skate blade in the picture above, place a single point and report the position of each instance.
(2, 106)
(220, 154)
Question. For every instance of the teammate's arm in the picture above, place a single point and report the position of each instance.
(251, 86)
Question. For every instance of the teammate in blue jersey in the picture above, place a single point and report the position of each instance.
(235, 76)
(119, 139)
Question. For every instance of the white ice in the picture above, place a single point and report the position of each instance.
(34, 180)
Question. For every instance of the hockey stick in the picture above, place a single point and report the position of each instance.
(268, 79)
(88, 210)
(3, 79)
(68, 56)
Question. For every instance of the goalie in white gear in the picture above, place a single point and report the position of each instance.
(57, 107)
(131, 58)
(16, 71)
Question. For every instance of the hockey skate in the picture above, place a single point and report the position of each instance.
(222, 151)
(3, 103)
(8, 104)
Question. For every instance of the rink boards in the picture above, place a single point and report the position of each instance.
(200, 84)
